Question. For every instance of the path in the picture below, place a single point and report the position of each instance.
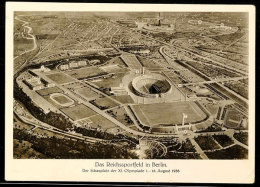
(29, 32)
(198, 149)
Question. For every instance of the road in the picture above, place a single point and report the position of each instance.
(198, 149)
(80, 99)
(50, 43)
(180, 48)
(31, 36)
(110, 118)
(216, 81)
(232, 43)
(229, 93)
(39, 124)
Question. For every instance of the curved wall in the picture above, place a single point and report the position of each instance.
(139, 83)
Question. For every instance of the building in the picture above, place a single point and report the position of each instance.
(129, 23)
(33, 73)
(44, 69)
(34, 83)
(73, 65)
(82, 63)
(64, 67)
(41, 69)
(94, 62)
(141, 51)
(118, 91)
(183, 128)
(244, 123)
(47, 84)
(192, 96)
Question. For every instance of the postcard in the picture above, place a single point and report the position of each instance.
(130, 92)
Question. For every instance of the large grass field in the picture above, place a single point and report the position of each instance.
(21, 45)
(102, 122)
(124, 98)
(105, 102)
(113, 68)
(60, 78)
(121, 115)
(168, 113)
(48, 91)
(52, 102)
(78, 112)
(62, 99)
(233, 119)
(85, 72)
(114, 81)
(88, 93)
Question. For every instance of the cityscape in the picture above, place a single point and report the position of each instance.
(130, 85)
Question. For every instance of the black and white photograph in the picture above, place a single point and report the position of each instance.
(146, 85)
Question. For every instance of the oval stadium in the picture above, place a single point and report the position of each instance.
(152, 85)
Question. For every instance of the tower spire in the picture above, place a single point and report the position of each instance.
(159, 20)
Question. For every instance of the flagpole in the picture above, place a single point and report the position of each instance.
(183, 118)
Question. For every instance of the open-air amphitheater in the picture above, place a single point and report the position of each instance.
(159, 105)
(151, 85)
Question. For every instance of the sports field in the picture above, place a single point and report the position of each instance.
(111, 68)
(60, 78)
(168, 113)
(52, 102)
(114, 81)
(105, 102)
(78, 112)
(48, 91)
(86, 72)
(101, 121)
(233, 119)
(62, 99)
(88, 93)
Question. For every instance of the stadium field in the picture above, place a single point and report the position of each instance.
(60, 78)
(78, 112)
(168, 113)
(52, 102)
(62, 99)
(233, 119)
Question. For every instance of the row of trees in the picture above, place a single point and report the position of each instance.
(233, 152)
(242, 137)
(70, 149)
(212, 128)
(51, 118)
(103, 135)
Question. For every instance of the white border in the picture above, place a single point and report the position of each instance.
(202, 171)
